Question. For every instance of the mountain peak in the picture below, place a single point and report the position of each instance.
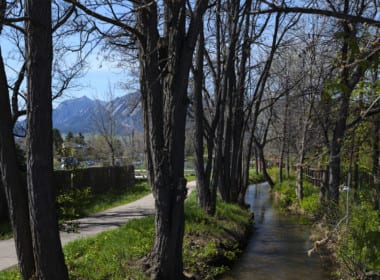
(78, 114)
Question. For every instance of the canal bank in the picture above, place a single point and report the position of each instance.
(278, 247)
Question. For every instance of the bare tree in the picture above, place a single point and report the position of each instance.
(16, 194)
(105, 123)
(354, 49)
(165, 39)
(48, 255)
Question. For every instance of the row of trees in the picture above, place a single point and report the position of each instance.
(241, 66)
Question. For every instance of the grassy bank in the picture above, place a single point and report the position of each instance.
(349, 242)
(285, 194)
(77, 204)
(210, 244)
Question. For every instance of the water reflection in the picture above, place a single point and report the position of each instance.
(278, 247)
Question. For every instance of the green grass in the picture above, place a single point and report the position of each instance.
(5, 230)
(111, 254)
(115, 254)
(10, 274)
(287, 198)
(190, 176)
(102, 202)
(97, 203)
(255, 178)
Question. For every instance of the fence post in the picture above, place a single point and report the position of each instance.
(323, 186)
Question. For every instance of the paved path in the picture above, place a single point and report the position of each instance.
(92, 225)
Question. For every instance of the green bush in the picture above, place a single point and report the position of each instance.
(72, 202)
(359, 242)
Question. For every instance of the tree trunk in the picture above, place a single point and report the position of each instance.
(15, 190)
(299, 183)
(302, 150)
(47, 248)
(323, 187)
(340, 124)
(284, 142)
(3, 203)
(375, 157)
(261, 156)
(246, 163)
(164, 72)
(203, 182)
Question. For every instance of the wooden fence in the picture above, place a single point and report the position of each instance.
(98, 179)
(317, 176)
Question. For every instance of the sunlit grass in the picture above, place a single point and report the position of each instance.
(97, 203)
(115, 254)
(101, 202)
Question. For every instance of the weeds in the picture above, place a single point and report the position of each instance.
(210, 244)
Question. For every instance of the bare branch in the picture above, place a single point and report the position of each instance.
(273, 8)
(102, 18)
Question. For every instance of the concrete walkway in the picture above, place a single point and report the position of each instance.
(92, 225)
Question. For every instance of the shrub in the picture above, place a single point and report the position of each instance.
(71, 204)
(359, 242)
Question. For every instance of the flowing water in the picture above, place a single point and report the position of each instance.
(278, 246)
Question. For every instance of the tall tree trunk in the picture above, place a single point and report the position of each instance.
(15, 190)
(3, 203)
(349, 78)
(375, 157)
(239, 182)
(246, 163)
(260, 150)
(284, 141)
(257, 162)
(203, 183)
(47, 248)
(164, 72)
(302, 150)
(335, 149)
(340, 124)
(299, 182)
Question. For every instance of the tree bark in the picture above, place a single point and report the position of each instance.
(164, 72)
(202, 176)
(375, 157)
(284, 142)
(15, 190)
(3, 203)
(260, 151)
(47, 248)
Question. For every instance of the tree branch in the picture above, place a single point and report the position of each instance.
(285, 9)
(102, 18)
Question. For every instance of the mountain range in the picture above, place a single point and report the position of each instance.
(82, 114)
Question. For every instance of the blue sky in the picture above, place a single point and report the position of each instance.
(95, 81)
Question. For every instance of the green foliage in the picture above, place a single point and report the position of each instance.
(69, 137)
(71, 205)
(255, 178)
(10, 274)
(110, 255)
(5, 230)
(57, 141)
(287, 197)
(287, 193)
(101, 202)
(359, 243)
(72, 202)
(311, 203)
(210, 243)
